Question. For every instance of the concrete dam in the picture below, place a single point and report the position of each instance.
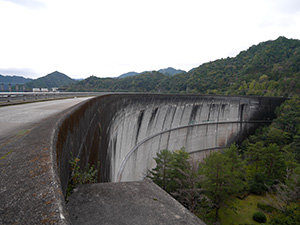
(121, 133)
(124, 132)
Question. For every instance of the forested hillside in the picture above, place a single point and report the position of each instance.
(169, 71)
(144, 82)
(55, 79)
(270, 68)
(13, 80)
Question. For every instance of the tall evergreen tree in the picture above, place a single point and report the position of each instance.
(161, 174)
(219, 181)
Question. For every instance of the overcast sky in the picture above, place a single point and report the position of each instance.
(107, 38)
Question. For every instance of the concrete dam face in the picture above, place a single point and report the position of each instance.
(124, 132)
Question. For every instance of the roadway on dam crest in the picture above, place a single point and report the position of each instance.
(17, 120)
(28, 184)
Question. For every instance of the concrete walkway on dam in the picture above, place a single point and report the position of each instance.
(26, 167)
(20, 119)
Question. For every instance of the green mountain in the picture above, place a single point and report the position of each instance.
(13, 80)
(271, 68)
(169, 71)
(129, 74)
(144, 82)
(55, 79)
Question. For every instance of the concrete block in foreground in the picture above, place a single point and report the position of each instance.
(126, 203)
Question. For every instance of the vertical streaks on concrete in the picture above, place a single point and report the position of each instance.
(139, 123)
(135, 127)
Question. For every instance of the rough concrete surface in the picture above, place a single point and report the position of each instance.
(127, 203)
(30, 191)
(17, 118)
(29, 188)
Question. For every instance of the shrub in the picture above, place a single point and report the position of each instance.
(79, 176)
(258, 184)
(259, 217)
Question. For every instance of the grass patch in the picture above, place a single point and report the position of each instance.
(239, 211)
(3, 157)
(23, 132)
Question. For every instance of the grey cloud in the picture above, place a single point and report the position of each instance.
(281, 13)
(286, 6)
(31, 4)
(25, 72)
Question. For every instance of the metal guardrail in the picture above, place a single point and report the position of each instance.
(11, 97)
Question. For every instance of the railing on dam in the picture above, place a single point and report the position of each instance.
(16, 97)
